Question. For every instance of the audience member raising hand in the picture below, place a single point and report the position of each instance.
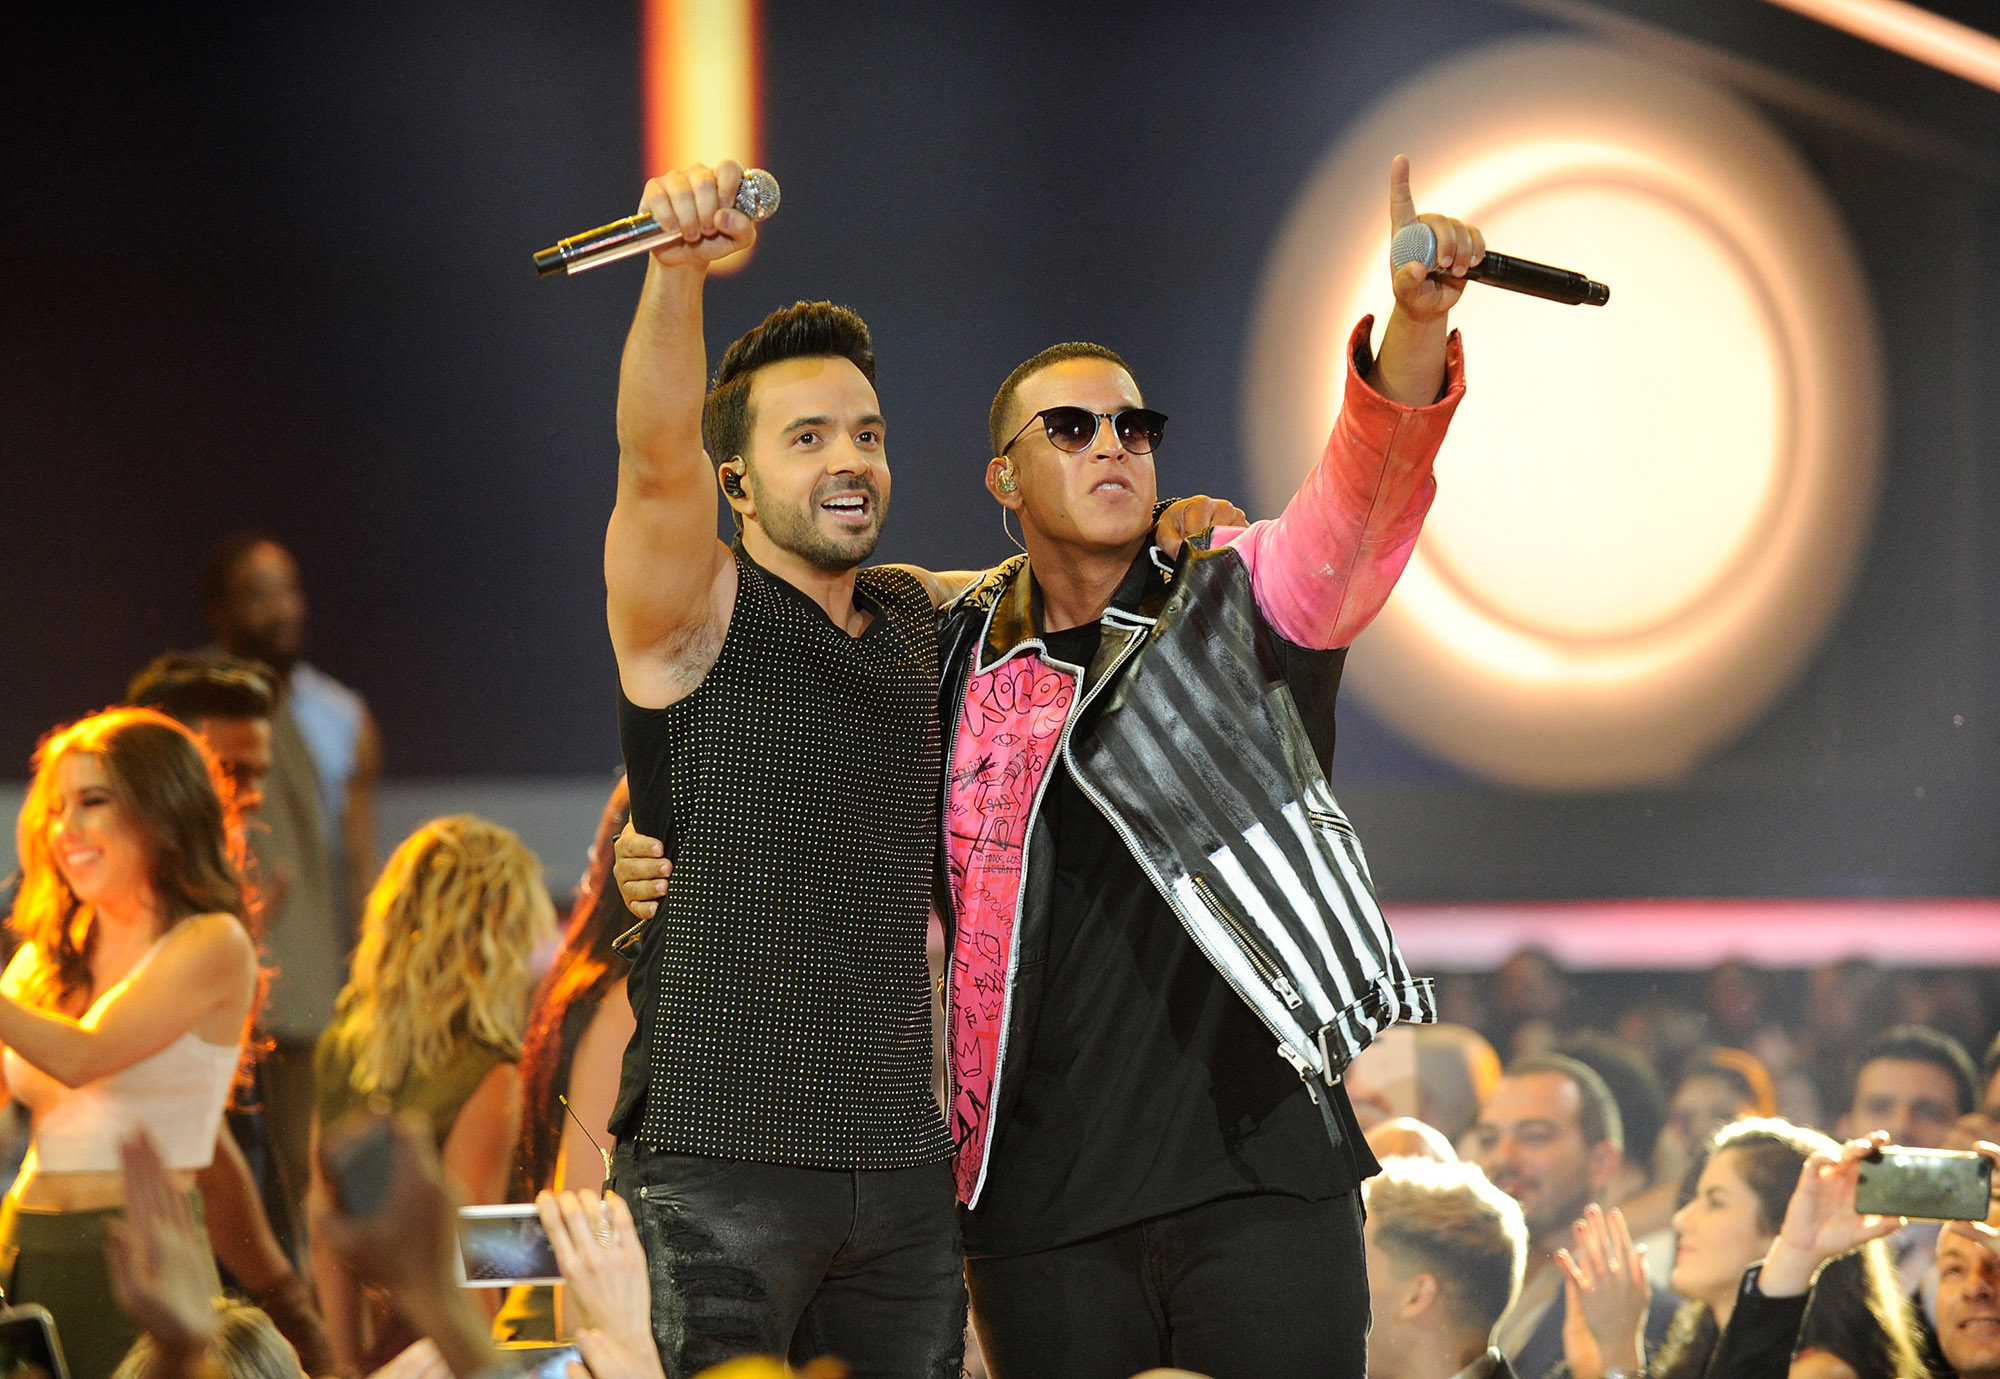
(1605, 1297)
(606, 1288)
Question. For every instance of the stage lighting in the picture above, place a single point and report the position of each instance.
(1648, 514)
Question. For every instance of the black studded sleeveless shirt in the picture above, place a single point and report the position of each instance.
(782, 991)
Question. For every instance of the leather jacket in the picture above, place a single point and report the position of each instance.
(1204, 736)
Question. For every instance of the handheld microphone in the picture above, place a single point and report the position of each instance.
(757, 197)
(1418, 242)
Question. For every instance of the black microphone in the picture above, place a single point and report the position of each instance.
(757, 197)
(1417, 242)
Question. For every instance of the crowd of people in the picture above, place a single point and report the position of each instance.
(221, 1179)
(1601, 1201)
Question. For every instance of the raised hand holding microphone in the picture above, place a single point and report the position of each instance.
(699, 202)
(751, 195)
(1410, 363)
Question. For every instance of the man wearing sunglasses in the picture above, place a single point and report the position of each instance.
(1164, 941)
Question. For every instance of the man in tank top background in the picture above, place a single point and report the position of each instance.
(778, 1141)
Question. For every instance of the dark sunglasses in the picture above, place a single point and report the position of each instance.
(1138, 429)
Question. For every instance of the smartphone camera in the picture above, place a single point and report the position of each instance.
(1929, 1184)
(501, 1246)
(28, 1345)
(541, 1360)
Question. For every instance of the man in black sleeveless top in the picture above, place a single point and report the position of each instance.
(778, 1140)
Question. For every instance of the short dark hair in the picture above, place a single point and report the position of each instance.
(1921, 1044)
(803, 330)
(221, 561)
(996, 420)
(1642, 1101)
(192, 685)
(1597, 1110)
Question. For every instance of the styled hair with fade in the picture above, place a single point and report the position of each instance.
(1448, 1221)
(1597, 1116)
(803, 330)
(997, 430)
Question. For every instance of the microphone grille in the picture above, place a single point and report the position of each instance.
(1415, 242)
(757, 197)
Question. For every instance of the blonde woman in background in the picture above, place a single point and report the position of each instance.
(125, 1006)
(431, 1021)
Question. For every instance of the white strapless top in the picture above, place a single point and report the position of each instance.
(177, 1095)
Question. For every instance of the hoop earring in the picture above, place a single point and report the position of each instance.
(1004, 514)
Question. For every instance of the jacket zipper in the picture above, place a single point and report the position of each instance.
(1332, 821)
(1252, 949)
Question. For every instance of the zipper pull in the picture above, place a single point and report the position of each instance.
(1283, 986)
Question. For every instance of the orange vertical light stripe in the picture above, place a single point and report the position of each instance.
(701, 84)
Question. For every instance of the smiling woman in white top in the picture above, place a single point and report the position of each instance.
(125, 1006)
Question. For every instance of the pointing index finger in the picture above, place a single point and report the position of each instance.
(1402, 209)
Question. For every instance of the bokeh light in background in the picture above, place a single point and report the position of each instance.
(702, 84)
(1648, 513)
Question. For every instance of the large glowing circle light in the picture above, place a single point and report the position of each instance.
(1648, 513)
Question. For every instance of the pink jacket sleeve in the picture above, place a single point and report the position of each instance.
(1323, 569)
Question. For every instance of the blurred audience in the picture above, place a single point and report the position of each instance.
(227, 703)
(1531, 1004)
(1456, 1071)
(1550, 1137)
(1984, 1122)
(1642, 1105)
(579, 1023)
(126, 1003)
(1445, 1253)
(1846, 1005)
(1406, 1137)
(316, 852)
(430, 1022)
(1742, 1015)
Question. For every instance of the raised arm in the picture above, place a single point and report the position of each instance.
(669, 584)
(1324, 568)
(203, 973)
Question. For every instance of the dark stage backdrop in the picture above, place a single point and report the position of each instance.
(270, 269)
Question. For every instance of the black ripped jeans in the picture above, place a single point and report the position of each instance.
(767, 1259)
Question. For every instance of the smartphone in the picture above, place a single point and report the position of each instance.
(504, 1245)
(1932, 1184)
(358, 1167)
(540, 1359)
(28, 1345)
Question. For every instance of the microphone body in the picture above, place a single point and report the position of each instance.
(756, 197)
(1417, 242)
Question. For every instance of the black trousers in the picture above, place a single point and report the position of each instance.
(1258, 1287)
(767, 1259)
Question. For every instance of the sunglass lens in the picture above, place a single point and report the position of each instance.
(1140, 428)
(1069, 428)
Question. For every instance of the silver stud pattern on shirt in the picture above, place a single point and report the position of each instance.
(790, 1003)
